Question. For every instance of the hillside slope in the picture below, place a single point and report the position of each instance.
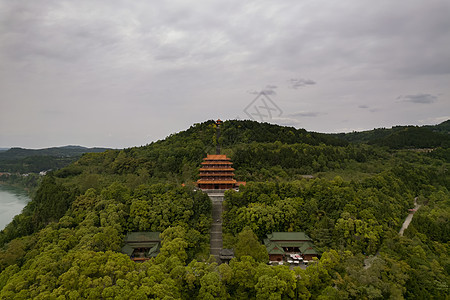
(35, 160)
(67, 241)
(403, 137)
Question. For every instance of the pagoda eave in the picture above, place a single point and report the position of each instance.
(210, 174)
(216, 173)
(216, 169)
(201, 181)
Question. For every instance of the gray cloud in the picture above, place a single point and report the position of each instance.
(286, 121)
(263, 91)
(253, 92)
(366, 107)
(295, 83)
(269, 90)
(296, 119)
(304, 114)
(419, 98)
(166, 65)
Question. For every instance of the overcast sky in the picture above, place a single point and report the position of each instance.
(125, 73)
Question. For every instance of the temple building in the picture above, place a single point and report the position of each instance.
(142, 246)
(292, 247)
(216, 172)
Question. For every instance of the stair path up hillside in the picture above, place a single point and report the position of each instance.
(216, 243)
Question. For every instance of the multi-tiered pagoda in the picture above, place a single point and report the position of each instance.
(217, 172)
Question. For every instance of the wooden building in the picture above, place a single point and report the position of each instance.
(226, 255)
(142, 246)
(293, 247)
(216, 173)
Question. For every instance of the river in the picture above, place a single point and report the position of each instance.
(12, 201)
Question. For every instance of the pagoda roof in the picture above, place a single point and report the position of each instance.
(288, 236)
(149, 240)
(142, 236)
(216, 157)
(217, 162)
(276, 247)
(216, 174)
(308, 248)
(217, 169)
(232, 181)
(225, 254)
(273, 248)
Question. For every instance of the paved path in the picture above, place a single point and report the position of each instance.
(409, 218)
(216, 226)
(368, 261)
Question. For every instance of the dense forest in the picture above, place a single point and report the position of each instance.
(20, 160)
(403, 137)
(66, 243)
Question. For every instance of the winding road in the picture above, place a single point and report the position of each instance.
(409, 217)
(368, 261)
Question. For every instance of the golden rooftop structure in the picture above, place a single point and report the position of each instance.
(216, 172)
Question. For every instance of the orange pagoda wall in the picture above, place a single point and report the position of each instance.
(216, 173)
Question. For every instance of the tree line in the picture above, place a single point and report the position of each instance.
(67, 241)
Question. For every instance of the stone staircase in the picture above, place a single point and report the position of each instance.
(216, 243)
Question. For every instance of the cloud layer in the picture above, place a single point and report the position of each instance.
(123, 73)
(419, 98)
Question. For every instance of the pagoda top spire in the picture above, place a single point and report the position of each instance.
(218, 124)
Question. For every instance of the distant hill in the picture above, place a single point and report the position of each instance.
(65, 151)
(35, 160)
(66, 241)
(444, 127)
(245, 131)
(403, 137)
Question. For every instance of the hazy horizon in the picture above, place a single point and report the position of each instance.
(121, 74)
(97, 146)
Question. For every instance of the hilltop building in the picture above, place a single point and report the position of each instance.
(293, 247)
(142, 246)
(226, 255)
(217, 172)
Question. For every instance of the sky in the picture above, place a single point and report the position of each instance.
(118, 74)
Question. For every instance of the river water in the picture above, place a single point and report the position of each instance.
(12, 201)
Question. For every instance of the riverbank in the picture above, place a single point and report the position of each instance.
(28, 183)
(12, 201)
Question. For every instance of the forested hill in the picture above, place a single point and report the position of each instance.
(259, 151)
(65, 151)
(234, 132)
(403, 137)
(443, 127)
(35, 160)
(66, 243)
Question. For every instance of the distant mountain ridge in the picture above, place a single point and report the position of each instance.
(35, 160)
(236, 132)
(403, 137)
(443, 127)
(64, 151)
